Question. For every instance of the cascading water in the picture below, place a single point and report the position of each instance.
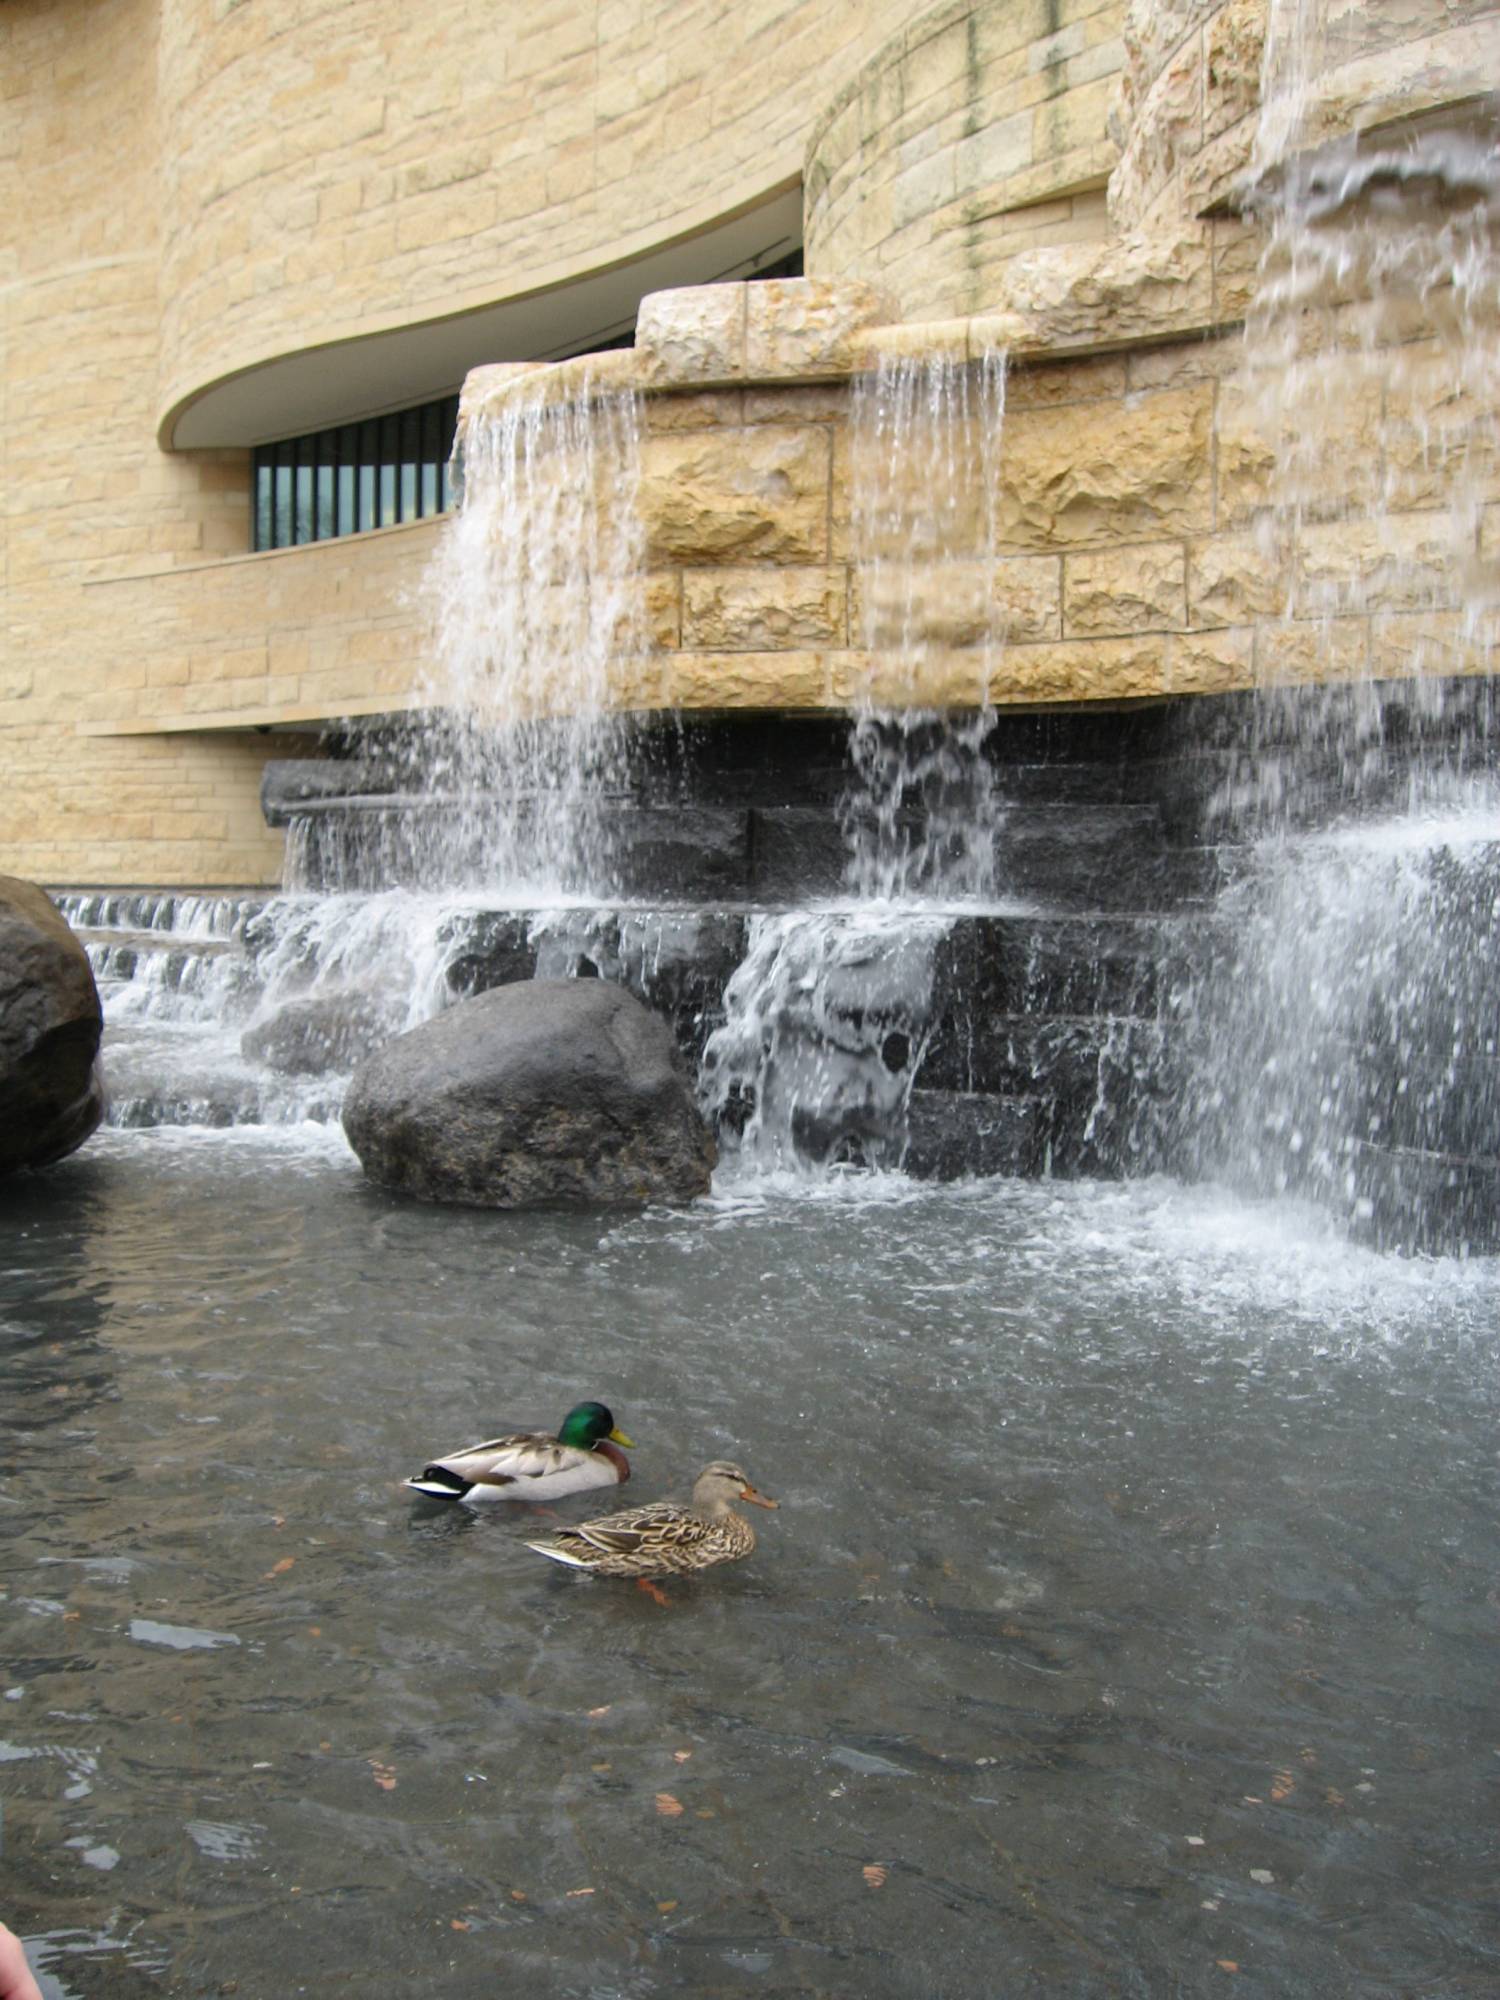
(537, 587)
(1348, 1039)
(920, 817)
(827, 1019)
(503, 792)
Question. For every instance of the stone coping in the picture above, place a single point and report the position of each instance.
(1059, 304)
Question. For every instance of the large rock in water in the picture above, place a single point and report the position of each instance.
(547, 1091)
(51, 1093)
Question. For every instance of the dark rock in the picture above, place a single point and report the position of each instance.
(290, 784)
(544, 1092)
(489, 948)
(318, 1033)
(699, 852)
(51, 1091)
(951, 1134)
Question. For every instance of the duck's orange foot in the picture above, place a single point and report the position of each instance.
(653, 1591)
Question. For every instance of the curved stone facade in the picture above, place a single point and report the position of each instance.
(337, 171)
(1188, 115)
(978, 132)
(261, 182)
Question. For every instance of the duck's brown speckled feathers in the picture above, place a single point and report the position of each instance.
(664, 1537)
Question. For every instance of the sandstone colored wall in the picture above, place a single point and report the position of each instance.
(1188, 113)
(978, 132)
(333, 169)
(84, 494)
(1137, 552)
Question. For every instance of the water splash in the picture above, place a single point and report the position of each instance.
(825, 1026)
(921, 815)
(1353, 1029)
(1347, 1032)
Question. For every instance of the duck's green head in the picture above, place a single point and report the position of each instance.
(585, 1425)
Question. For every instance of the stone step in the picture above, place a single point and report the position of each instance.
(1426, 1203)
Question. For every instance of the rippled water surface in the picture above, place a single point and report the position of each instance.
(1128, 1626)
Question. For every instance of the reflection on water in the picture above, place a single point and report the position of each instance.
(1130, 1608)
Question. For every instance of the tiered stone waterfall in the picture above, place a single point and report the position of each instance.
(1159, 927)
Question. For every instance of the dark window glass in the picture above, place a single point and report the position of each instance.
(354, 476)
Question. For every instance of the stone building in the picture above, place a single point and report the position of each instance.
(255, 249)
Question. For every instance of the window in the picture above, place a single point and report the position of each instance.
(355, 476)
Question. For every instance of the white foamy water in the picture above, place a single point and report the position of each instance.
(538, 593)
(825, 1024)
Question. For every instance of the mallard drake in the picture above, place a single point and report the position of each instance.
(664, 1538)
(533, 1465)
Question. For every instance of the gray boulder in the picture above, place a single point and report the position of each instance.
(544, 1092)
(51, 1092)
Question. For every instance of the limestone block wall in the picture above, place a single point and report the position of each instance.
(1188, 113)
(332, 629)
(331, 170)
(1137, 548)
(84, 494)
(978, 132)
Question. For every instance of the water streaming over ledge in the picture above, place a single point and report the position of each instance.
(1348, 1036)
(920, 813)
(828, 1018)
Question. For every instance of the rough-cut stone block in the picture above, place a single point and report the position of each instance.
(1138, 589)
(799, 680)
(1211, 662)
(1436, 430)
(1041, 385)
(693, 334)
(684, 411)
(485, 388)
(1234, 43)
(1234, 578)
(929, 676)
(1306, 436)
(1400, 562)
(1297, 651)
(727, 496)
(1100, 473)
(808, 326)
(1135, 289)
(1237, 254)
(957, 603)
(929, 340)
(763, 610)
(663, 609)
(1434, 644)
(1082, 670)
(796, 403)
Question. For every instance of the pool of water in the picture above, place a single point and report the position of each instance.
(1128, 1626)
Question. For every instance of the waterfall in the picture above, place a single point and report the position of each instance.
(827, 1020)
(1348, 1037)
(536, 594)
(920, 816)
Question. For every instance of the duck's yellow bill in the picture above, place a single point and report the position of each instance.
(618, 1436)
(758, 1499)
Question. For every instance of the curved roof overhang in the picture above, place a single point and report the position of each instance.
(345, 380)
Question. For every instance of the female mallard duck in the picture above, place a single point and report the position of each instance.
(532, 1465)
(664, 1538)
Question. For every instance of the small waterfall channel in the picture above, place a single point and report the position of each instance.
(1347, 1036)
(828, 1018)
